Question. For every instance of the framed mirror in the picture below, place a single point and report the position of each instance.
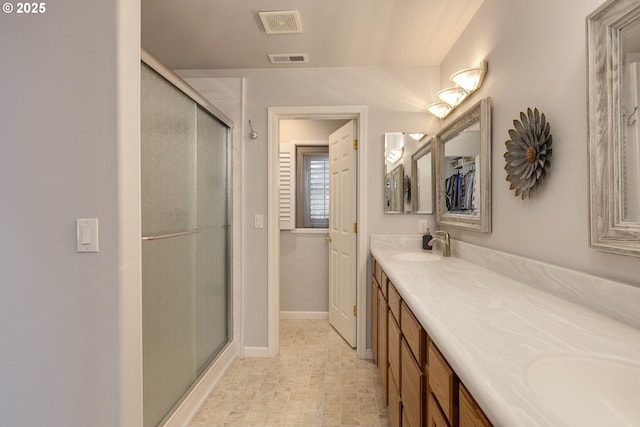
(399, 183)
(463, 170)
(613, 51)
(422, 179)
(394, 188)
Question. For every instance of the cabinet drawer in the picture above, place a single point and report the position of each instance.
(395, 407)
(394, 301)
(376, 270)
(394, 348)
(436, 419)
(470, 413)
(412, 389)
(414, 334)
(384, 281)
(443, 384)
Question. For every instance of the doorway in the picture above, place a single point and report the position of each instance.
(276, 114)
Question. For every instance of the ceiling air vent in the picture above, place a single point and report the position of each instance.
(289, 58)
(282, 22)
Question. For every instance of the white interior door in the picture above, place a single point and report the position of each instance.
(342, 231)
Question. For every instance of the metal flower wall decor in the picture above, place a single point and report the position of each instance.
(528, 153)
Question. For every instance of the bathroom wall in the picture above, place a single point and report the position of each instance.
(537, 58)
(304, 256)
(69, 140)
(395, 99)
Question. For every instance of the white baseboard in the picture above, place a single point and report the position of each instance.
(369, 354)
(184, 414)
(309, 315)
(256, 352)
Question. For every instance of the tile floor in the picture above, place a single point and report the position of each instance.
(317, 380)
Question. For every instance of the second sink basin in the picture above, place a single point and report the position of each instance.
(416, 256)
(586, 391)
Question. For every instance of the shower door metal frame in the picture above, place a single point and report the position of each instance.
(183, 87)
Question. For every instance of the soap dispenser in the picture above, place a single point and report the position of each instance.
(426, 239)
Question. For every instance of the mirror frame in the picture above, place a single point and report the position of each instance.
(422, 151)
(607, 231)
(480, 112)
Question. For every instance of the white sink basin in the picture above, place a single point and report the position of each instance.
(416, 256)
(585, 392)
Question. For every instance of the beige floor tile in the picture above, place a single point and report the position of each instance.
(317, 380)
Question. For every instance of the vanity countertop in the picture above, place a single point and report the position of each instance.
(492, 328)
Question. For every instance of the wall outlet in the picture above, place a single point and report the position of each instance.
(422, 226)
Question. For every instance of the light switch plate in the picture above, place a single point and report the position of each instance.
(87, 235)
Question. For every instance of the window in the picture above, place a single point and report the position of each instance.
(312, 187)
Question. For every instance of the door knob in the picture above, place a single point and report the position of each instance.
(328, 239)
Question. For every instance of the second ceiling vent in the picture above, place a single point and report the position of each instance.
(281, 22)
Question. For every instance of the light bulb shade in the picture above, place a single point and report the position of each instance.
(417, 136)
(440, 109)
(394, 155)
(453, 95)
(470, 79)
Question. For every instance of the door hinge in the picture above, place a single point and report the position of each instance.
(355, 310)
(355, 144)
(355, 227)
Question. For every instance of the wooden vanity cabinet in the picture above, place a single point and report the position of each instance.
(379, 328)
(470, 413)
(394, 337)
(420, 386)
(436, 418)
(443, 385)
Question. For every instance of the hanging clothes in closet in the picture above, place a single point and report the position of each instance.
(459, 192)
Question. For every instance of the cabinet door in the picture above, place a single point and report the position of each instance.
(394, 348)
(470, 413)
(412, 389)
(383, 362)
(436, 418)
(395, 407)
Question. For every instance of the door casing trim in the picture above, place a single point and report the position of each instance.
(275, 114)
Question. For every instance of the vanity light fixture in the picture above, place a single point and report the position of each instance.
(470, 79)
(467, 81)
(439, 109)
(453, 95)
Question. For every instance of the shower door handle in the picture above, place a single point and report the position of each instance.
(168, 236)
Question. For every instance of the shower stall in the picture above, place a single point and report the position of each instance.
(186, 238)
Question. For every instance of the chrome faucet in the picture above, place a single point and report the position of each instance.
(445, 242)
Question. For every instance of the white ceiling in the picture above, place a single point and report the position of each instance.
(216, 34)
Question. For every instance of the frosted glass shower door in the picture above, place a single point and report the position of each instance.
(185, 273)
(212, 272)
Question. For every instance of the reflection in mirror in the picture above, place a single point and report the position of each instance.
(630, 99)
(613, 37)
(422, 179)
(399, 149)
(462, 183)
(463, 170)
(394, 190)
